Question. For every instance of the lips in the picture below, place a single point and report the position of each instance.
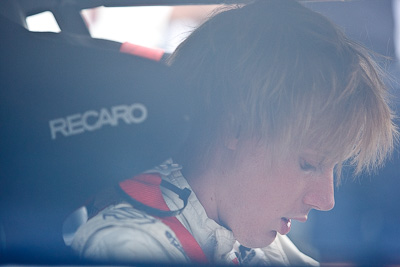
(301, 218)
(285, 226)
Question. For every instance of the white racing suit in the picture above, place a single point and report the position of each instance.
(122, 233)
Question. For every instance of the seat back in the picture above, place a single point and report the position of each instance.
(73, 121)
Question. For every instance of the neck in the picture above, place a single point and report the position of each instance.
(205, 187)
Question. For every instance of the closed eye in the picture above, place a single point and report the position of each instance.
(306, 166)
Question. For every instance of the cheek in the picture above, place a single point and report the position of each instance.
(254, 198)
(253, 217)
(245, 199)
(257, 197)
(258, 194)
(282, 191)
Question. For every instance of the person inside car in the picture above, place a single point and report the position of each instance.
(285, 99)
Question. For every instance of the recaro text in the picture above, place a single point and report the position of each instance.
(92, 120)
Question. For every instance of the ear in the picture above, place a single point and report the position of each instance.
(231, 143)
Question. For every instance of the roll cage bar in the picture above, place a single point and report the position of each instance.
(67, 12)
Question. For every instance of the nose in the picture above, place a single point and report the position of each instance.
(320, 194)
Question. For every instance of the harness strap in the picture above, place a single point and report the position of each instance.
(145, 188)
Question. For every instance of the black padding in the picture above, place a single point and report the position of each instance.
(44, 177)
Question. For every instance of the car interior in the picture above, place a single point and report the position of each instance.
(57, 90)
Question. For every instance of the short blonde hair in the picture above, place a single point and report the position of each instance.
(277, 71)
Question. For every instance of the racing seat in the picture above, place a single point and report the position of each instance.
(73, 121)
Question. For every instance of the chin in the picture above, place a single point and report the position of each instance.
(258, 241)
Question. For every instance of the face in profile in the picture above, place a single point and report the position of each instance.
(300, 81)
(259, 196)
